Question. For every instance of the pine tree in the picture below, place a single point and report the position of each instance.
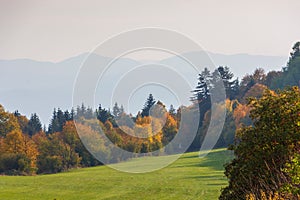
(201, 93)
(231, 86)
(116, 110)
(172, 111)
(103, 115)
(147, 106)
(34, 125)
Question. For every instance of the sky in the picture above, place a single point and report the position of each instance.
(57, 29)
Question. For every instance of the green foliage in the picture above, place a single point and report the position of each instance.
(291, 74)
(56, 154)
(227, 135)
(57, 122)
(292, 169)
(14, 164)
(231, 86)
(103, 115)
(263, 150)
(148, 104)
(34, 125)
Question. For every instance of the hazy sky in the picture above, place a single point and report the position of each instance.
(55, 30)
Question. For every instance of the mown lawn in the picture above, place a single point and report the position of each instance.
(190, 177)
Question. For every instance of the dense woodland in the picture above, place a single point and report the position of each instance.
(251, 128)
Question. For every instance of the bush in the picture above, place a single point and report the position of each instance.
(15, 164)
(266, 154)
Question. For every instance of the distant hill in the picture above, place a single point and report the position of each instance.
(32, 86)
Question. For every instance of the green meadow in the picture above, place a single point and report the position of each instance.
(190, 177)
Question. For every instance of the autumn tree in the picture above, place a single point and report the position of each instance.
(241, 116)
(256, 91)
(22, 121)
(169, 130)
(228, 132)
(8, 122)
(266, 159)
(257, 77)
(18, 154)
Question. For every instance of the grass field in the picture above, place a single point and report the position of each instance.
(190, 177)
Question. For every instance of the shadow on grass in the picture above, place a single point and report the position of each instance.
(202, 177)
(214, 160)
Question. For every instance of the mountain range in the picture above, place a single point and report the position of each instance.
(32, 86)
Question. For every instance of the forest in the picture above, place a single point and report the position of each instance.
(261, 127)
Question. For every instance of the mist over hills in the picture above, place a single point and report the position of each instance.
(33, 86)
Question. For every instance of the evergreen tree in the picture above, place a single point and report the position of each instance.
(290, 74)
(201, 95)
(147, 106)
(58, 120)
(296, 51)
(103, 115)
(72, 114)
(67, 115)
(116, 110)
(34, 125)
(172, 111)
(231, 86)
(89, 113)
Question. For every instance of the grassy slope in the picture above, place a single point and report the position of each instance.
(190, 177)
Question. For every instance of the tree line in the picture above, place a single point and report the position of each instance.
(27, 148)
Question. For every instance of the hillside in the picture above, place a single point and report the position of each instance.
(190, 177)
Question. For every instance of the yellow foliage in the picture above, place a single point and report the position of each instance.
(142, 131)
(156, 125)
(158, 137)
(30, 150)
(239, 113)
(264, 197)
(229, 105)
(143, 120)
(170, 121)
(8, 122)
(108, 125)
(16, 142)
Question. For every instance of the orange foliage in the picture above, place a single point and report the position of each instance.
(239, 113)
(256, 91)
(16, 142)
